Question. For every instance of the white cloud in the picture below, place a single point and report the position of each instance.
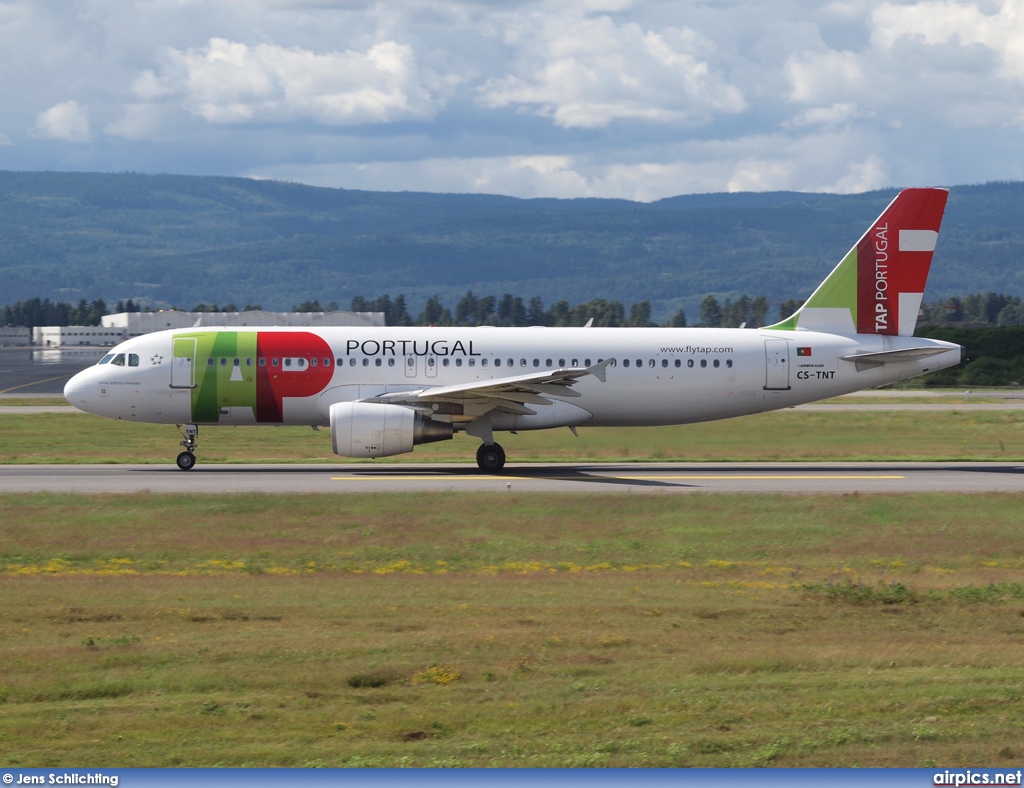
(66, 121)
(231, 82)
(823, 76)
(622, 98)
(585, 72)
(962, 23)
(817, 162)
(835, 115)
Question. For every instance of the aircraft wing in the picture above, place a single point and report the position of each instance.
(511, 394)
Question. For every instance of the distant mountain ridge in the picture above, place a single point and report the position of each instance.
(179, 240)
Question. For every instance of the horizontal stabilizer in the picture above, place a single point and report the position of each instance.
(894, 356)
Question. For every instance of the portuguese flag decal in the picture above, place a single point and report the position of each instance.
(803, 351)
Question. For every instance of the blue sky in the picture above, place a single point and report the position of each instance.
(602, 98)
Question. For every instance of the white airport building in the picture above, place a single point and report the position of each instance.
(125, 325)
(65, 336)
(15, 336)
(136, 324)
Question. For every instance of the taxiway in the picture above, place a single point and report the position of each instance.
(824, 478)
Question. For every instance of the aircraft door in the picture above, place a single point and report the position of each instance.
(431, 366)
(410, 366)
(776, 353)
(183, 365)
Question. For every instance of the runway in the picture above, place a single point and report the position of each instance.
(816, 478)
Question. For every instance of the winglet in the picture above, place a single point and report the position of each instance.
(598, 370)
(878, 286)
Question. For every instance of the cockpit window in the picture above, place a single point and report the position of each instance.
(105, 359)
(133, 359)
(118, 360)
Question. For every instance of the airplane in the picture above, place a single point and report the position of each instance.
(383, 391)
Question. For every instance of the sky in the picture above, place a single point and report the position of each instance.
(633, 99)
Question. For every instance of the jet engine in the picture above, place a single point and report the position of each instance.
(369, 429)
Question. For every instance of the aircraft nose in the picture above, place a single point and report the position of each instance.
(75, 392)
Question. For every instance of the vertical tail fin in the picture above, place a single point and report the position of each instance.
(878, 286)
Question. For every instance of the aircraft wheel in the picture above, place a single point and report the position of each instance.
(186, 461)
(490, 458)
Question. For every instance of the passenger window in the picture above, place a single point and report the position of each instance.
(678, 363)
(575, 362)
(431, 361)
(238, 362)
(639, 362)
(313, 362)
(300, 363)
(689, 362)
(410, 361)
(703, 362)
(536, 362)
(105, 359)
(377, 361)
(391, 362)
(133, 359)
(497, 362)
(366, 362)
(716, 363)
(223, 362)
(664, 362)
(458, 362)
(287, 362)
(547, 362)
(445, 362)
(625, 362)
(210, 362)
(650, 362)
(522, 362)
(728, 363)
(511, 363)
(327, 362)
(483, 362)
(118, 360)
(586, 362)
(263, 362)
(248, 362)
(561, 362)
(351, 362)
(472, 362)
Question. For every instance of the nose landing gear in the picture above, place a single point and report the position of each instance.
(187, 459)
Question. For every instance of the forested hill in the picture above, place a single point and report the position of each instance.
(179, 240)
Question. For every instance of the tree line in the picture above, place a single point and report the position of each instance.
(976, 309)
(44, 312)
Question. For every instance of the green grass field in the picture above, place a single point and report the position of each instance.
(511, 630)
(779, 436)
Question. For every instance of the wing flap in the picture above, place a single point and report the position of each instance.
(510, 394)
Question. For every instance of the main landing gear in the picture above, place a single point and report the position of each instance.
(490, 457)
(187, 459)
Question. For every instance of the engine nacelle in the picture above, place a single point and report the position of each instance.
(370, 429)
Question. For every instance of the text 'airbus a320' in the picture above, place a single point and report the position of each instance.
(382, 391)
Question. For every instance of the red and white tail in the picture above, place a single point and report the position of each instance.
(878, 286)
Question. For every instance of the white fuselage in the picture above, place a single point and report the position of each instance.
(659, 375)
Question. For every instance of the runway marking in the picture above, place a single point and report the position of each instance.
(599, 477)
(33, 383)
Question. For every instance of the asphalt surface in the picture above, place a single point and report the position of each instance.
(34, 370)
(823, 478)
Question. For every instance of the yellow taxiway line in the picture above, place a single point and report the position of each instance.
(599, 477)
